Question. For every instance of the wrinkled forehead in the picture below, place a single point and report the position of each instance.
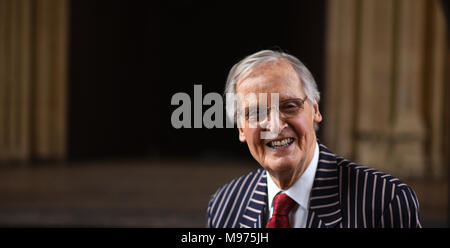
(272, 77)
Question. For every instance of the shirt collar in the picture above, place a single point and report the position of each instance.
(301, 189)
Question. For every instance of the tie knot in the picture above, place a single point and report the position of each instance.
(282, 204)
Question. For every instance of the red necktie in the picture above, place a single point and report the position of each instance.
(282, 205)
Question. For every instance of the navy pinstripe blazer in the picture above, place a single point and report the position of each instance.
(344, 194)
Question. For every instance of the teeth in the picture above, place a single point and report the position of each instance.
(280, 143)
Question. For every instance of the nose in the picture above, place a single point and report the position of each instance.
(274, 124)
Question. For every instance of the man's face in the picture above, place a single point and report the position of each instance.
(297, 130)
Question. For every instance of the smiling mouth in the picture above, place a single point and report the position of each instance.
(280, 143)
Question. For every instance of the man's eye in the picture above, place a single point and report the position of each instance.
(291, 107)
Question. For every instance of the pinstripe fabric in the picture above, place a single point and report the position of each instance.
(344, 194)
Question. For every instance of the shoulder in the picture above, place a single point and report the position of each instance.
(367, 176)
(355, 173)
(228, 201)
(393, 201)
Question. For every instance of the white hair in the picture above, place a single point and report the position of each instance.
(309, 85)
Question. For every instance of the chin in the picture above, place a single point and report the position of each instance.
(281, 164)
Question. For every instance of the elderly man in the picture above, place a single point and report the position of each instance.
(301, 182)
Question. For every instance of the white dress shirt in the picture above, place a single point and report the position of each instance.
(299, 192)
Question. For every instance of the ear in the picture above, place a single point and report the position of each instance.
(242, 135)
(317, 116)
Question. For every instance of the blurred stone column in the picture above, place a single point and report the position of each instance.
(407, 154)
(435, 81)
(375, 79)
(15, 79)
(340, 76)
(33, 79)
(51, 79)
(384, 84)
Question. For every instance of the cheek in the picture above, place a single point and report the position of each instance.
(250, 135)
(302, 127)
(256, 136)
(299, 125)
(253, 139)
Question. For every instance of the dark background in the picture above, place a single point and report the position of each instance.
(127, 166)
(127, 59)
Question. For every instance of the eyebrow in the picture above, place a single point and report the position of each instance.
(279, 101)
(290, 99)
(289, 95)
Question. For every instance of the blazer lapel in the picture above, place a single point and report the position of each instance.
(254, 213)
(325, 209)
